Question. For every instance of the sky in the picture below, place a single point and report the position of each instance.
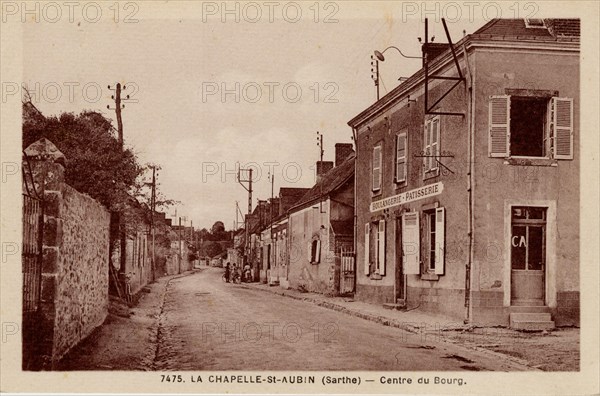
(210, 92)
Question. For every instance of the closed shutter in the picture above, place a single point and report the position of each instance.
(499, 124)
(376, 168)
(401, 157)
(381, 247)
(367, 239)
(410, 243)
(440, 240)
(563, 128)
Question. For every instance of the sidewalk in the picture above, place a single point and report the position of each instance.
(557, 350)
(128, 337)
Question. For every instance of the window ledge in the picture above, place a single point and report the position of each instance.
(429, 276)
(431, 174)
(375, 276)
(531, 161)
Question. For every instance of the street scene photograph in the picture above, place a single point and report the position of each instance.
(259, 192)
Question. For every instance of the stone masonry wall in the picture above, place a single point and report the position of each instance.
(81, 297)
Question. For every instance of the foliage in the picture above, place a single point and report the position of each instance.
(213, 248)
(96, 164)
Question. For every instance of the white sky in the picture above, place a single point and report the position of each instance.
(171, 58)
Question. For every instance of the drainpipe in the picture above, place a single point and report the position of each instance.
(355, 138)
(470, 183)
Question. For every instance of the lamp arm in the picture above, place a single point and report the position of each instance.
(398, 49)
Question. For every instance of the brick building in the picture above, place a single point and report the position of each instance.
(476, 214)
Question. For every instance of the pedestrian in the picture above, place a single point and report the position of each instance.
(227, 272)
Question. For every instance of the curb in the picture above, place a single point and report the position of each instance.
(389, 322)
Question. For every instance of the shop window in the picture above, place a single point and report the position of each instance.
(434, 241)
(375, 248)
(525, 126)
(528, 238)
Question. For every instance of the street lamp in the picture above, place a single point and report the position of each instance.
(380, 57)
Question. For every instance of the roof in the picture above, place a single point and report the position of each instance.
(343, 227)
(552, 29)
(328, 183)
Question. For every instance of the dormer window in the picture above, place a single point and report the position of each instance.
(535, 23)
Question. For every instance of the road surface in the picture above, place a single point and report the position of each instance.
(206, 324)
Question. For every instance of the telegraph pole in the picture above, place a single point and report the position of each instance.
(179, 262)
(153, 209)
(118, 107)
(321, 152)
(249, 189)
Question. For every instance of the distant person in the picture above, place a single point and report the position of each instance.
(227, 272)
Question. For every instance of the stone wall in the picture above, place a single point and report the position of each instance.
(81, 297)
(75, 258)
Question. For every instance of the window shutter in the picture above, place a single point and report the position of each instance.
(499, 123)
(318, 252)
(367, 238)
(440, 240)
(376, 168)
(381, 247)
(426, 144)
(310, 257)
(401, 143)
(435, 142)
(410, 243)
(563, 128)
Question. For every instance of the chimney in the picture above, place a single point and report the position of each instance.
(433, 50)
(322, 168)
(342, 152)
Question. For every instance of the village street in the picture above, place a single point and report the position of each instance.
(206, 324)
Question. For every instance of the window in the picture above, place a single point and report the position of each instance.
(315, 251)
(377, 168)
(534, 23)
(401, 148)
(375, 248)
(434, 241)
(528, 238)
(527, 126)
(431, 145)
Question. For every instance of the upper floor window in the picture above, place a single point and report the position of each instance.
(376, 168)
(535, 23)
(401, 149)
(525, 126)
(431, 145)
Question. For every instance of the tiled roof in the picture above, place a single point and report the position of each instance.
(516, 28)
(329, 182)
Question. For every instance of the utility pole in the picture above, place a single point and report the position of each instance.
(249, 189)
(118, 107)
(180, 253)
(153, 210)
(321, 152)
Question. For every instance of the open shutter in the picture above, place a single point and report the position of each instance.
(410, 243)
(367, 239)
(426, 145)
(376, 168)
(499, 122)
(318, 252)
(563, 128)
(381, 247)
(440, 240)
(310, 257)
(435, 142)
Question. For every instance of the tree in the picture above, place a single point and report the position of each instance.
(96, 164)
(217, 228)
(213, 248)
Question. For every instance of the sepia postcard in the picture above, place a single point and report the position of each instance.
(300, 197)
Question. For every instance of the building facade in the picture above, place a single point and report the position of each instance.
(469, 208)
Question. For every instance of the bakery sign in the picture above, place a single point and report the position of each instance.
(408, 196)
